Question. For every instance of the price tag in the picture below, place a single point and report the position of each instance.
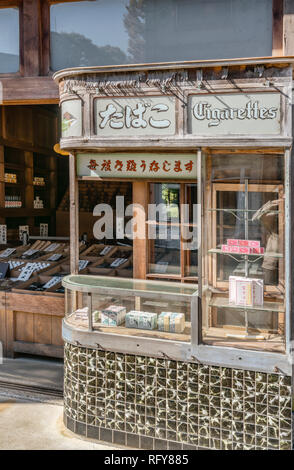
(55, 257)
(83, 263)
(8, 252)
(118, 262)
(22, 229)
(26, 272)
(53, 281)
(43, 230)
(3, 234)
(105, 250)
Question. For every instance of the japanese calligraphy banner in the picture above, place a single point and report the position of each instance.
(130, 117)
(126, 165)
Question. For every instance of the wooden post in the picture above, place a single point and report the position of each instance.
(278, 43)
(2, 182)
(31, 37)
(140, 245)
(74, 216)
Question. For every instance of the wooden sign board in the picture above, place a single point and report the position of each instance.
(137, 166)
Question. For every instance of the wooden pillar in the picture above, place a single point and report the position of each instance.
(278, 42)
(31, 37)
(140, 196)
(74, 216)
(2, 182)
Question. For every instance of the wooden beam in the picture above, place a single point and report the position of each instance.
(45, 36)
(28, 347)
(140, 196)
(36, 90)
(277, 47)
(288, 27)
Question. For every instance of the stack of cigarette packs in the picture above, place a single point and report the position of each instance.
(246, 247)
(141, 320)
(173, 322)
(10, 178)
(114, 315)
(245, 291)
(82, 314)
(39, 181)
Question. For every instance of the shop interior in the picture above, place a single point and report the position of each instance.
(244, 203)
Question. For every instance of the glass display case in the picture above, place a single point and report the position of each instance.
(130, 306)
(244, 280)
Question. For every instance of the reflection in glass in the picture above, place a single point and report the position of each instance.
(105, 32)
(9, 40)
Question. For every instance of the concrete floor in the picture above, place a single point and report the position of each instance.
(31, 421)
(43, 373)
(33, 425)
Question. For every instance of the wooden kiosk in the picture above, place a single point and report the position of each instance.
(215, 135)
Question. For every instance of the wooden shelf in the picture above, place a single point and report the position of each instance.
(21, 212)
(14, 166)
(122, 330)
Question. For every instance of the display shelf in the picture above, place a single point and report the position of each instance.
(254, 255)
(222, 302)
(122, 330)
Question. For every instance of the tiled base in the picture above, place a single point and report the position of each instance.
(151, 403)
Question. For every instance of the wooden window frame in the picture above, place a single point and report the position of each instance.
(181, 277)
(6, 4)
(277, 30)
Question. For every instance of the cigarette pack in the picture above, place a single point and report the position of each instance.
(114, 315)
(163, 321)
(141, 320)
(257, 250)
(82, 314)
(245, 291)
(174, 322)
(232, 242)
(253, 243)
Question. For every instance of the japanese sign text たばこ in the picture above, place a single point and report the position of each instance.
(135, 116)
(133, 166)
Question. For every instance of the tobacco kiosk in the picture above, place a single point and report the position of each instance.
(194, 350)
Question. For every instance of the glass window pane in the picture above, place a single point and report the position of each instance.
(9, 40)
(244, 283)
(132, 307)
(164, 228)
(105, 32)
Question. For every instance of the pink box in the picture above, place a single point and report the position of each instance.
(236, 249)
(245, 250)
(232, 242)
(243, 242)
(225, 248)
(254, 243)
(257, 250)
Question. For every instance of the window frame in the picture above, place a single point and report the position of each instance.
(196, 349)
(277, 29)
(8, 4)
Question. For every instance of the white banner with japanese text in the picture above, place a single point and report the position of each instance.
(129, 165)
(136, 116)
